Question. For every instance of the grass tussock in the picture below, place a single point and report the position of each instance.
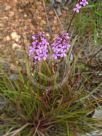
(34, 110)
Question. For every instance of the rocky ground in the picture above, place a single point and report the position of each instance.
(19, 20)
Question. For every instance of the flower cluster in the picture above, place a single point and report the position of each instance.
(39, 48)
(60, 46)
(79, 5)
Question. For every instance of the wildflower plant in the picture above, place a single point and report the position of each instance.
(50, 92)
(50, 59)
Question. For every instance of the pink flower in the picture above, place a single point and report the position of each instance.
(83, 3)
(79, 5)
(60, 46)
(77, 8)
(39, 48)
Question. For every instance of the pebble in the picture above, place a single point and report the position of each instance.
(47, 35)
(98, 113)
(13, 77)
(43, 22)
(15, 36)
(39, 18)
(53, 28)
(1, 25)
(51, 13)
(13, 67)
(11, 13)
(19, 54)
(25, 15)
(8, 38)
(55, 22)
(7, 7)
(16, 46)
(5, 18)
(59, 1)
(38, 3)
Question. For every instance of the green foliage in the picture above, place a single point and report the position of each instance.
(88, 22)
(31, 110)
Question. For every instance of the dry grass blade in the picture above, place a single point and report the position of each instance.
(94, 90)
(15, 132)
(61, 25)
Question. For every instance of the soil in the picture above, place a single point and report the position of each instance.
(20, 19)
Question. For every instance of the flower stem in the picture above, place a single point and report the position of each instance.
(71, 21)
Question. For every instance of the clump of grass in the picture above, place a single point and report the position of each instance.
(31, 110)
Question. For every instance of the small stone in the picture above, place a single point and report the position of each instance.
(98, 114)
(38, 3)
(1, 25)
(15, 36)
(11, 13)
(65, 8)
(19, 54)
(39, 18)
(55, 22)
(53, 28)
(47, 35)
(5, 18)
(13, 77)
(13, 67)
(16, 46)
(43, 22)
(40, 7)
(7, 38)
(7, 7)
(59, 1)
(25, 15)
(51, 13)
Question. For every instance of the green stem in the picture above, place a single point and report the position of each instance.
(71, 21)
